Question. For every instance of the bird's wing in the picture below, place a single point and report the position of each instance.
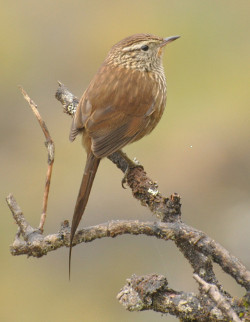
(115, 108)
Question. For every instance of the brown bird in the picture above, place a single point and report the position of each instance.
(123, 103)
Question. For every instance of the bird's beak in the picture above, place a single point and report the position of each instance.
(168, 40)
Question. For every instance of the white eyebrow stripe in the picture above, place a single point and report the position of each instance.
(135, 46)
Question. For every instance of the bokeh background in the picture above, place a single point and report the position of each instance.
(200, 148)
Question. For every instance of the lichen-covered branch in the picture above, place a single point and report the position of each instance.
(162, 299)
(199, 251)
(212, 303)
(151, 292)
(218, 298)
(166, 231)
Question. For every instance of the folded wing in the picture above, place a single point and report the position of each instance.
(115, 108)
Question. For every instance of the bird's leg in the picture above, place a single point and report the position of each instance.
(131, 164)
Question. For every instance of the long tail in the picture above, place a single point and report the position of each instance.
(83, 196)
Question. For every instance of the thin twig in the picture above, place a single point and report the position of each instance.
(218, 298)
(178, 232)
(51, 152)
(24, 227)
(196, 246)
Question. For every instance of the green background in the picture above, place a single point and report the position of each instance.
(200, 149)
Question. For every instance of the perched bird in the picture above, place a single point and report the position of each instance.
(123, 103)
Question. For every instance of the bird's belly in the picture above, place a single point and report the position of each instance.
(151, 121)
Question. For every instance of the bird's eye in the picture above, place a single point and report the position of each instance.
(144, 48)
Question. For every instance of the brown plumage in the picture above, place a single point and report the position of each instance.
(123, 103)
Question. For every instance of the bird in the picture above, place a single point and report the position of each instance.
(123, 102)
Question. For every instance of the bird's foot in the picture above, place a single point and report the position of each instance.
(131, 165)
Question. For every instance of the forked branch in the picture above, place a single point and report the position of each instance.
(212, 303)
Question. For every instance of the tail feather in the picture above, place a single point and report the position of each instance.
(83, 196)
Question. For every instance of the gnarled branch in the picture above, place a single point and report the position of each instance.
(150, 292)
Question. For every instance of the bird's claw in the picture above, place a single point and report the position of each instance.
(130, 167)
(125, 178)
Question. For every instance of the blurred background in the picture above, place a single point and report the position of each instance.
(200, 149)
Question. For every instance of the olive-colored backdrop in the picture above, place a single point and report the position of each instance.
(200, 148)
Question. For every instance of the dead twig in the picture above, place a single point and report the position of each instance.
(151, 292)
(177, 232)
(51, 152)
(218, 298)
(146, 292)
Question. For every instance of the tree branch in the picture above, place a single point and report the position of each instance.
(51, 152)
(169, 210)
(151, 292)
(146, 292)
(218, 298)
(177, 232)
